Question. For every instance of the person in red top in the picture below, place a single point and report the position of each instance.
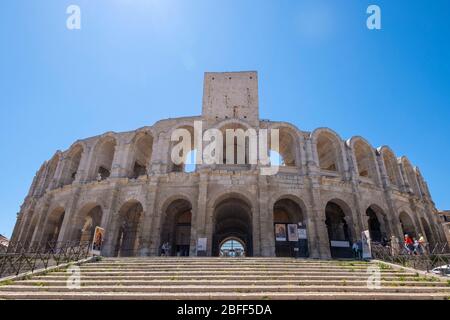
(408, 244)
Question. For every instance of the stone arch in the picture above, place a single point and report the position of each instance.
(141, 154)
(391, 166)
(127, 236)
(340, 228)
(89, 217)
(181, 167)
(53, 226)
(410, 175)
(328, 150)
(72, 160)
(232, 217)
(51, 170)
(289, 212)
(290, 144)
(407, 224)
(176, 225)
(364, 158)
(103, 157)
(378, 223)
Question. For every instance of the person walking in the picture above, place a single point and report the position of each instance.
(422, 244)
(408, 243)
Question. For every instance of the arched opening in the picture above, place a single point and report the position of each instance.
(328, 152)
(428, 233)
(232, 247)
(72, 164)
(365, 160)
(339, 230)
(377, 222)
(287, 148)
(185, 154)
(53, 227)
(142, 155)
(127, 240)
(407, 225)
(51, 170)
(104, 156)
(91, 217)
(391, 165)
(232, 219)
(176, 228)
(288, 219)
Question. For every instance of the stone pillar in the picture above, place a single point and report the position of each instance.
(68, 226)
(203, 221)
(148, 218)
(319, 246)
(110, 216)
(267, 237)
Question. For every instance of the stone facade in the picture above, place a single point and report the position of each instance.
(127, 184)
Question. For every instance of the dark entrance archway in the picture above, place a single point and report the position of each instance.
(176, 228)
(232, 219)
(53, 227)
(339, 231)
(288, 219)
(127, 239)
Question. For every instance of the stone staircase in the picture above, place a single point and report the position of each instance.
(227, 278)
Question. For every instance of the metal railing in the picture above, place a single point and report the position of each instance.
(425, 258)
(21, 257)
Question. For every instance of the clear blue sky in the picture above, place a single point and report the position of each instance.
(135, 62)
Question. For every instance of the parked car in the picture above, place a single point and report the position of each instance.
(442, 270)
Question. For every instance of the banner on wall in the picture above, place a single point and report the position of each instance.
(292, 232)
(280, 232)
(97, 241)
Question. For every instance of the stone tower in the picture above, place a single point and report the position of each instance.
(231, 95)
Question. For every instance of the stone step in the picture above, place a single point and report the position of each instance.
(215, 282)
(132, 277)
(222, 289)
(225, 272)
(220, 266)
(223, 296)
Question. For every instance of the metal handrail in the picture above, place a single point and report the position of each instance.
(21, 257)
(426, 259)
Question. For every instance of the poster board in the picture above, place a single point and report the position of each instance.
(292, 232)
(302, 234)
(97, 241)
(280, 232)
(201, 246)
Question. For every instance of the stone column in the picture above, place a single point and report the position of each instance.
(267, 237)
(148, 218)
(203, 219)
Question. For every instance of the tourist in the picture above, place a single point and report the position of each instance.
(355, 250)
(416, 246)
(422, 243)
(165, 249)
(408, 244)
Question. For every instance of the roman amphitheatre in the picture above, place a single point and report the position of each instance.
(330, 189)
